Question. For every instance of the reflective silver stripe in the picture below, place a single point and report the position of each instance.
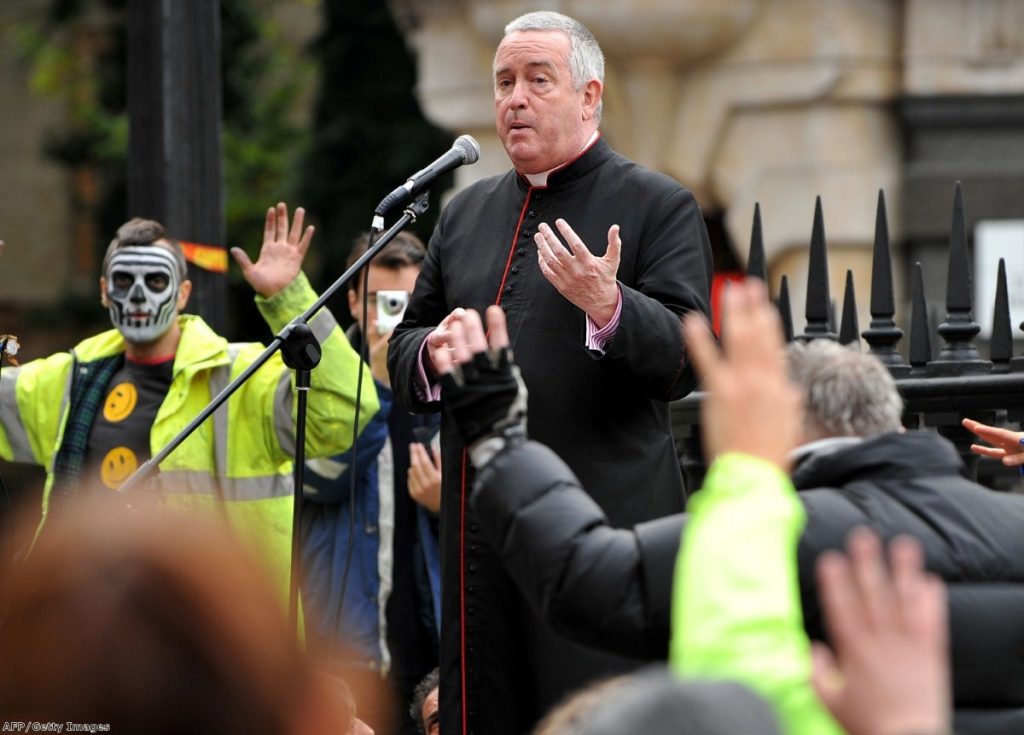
(219, 378)
(65, 397)
(284, 426)
(386, 545)
(322, 325)
(197, 482)
(10, 417)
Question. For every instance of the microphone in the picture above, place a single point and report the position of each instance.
(465, 150)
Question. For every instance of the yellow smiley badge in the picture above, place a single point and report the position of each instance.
(120, 402)
(118, 466)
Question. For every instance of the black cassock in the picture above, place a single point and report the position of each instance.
(605, 415)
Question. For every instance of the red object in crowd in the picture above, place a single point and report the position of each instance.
(717, 289)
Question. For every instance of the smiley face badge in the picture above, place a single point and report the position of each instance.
(120, 402)
(118, 465)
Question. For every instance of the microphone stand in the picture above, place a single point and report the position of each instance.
(301, 352)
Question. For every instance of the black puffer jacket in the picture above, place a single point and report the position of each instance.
(612, 587)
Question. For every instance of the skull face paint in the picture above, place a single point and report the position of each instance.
(142, 290)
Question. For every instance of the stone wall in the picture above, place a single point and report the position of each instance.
(34, 192)
(770, 101)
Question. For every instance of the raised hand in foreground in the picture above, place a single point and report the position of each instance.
(888, 670)
(481, 386)
(750, 406)
(1007, 449)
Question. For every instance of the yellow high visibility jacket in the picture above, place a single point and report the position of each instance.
(736, 610)
(240, 458)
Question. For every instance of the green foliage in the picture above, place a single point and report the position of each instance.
(368, 131)
(76, 52)
(263, 139)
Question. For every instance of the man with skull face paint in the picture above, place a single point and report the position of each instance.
(93, 415)
(142, 288)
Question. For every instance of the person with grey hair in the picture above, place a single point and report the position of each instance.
(611, 587)
(586, 60)
(846, 394)
(595, 260)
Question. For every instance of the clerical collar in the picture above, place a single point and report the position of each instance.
(541, 179)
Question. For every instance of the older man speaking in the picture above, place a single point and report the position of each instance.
(594, 260)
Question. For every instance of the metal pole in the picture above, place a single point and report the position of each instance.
(174, 152)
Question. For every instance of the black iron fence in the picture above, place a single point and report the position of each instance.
(937, 393)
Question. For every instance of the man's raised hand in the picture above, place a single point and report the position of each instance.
(751, 407)
(888, 669)
(281, 255)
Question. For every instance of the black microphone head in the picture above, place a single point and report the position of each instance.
(468, 147)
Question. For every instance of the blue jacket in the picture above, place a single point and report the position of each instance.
(380, 546)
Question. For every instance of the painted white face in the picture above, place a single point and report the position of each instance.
(142, 290)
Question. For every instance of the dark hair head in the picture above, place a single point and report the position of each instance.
(142, 232)
(429, 683)
(405, 250)
(151, 623)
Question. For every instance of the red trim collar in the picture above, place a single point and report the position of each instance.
(150, 360)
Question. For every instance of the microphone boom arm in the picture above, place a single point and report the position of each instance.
(464, 151)
(411, 213)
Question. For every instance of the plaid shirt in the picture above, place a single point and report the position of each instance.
(88, 387)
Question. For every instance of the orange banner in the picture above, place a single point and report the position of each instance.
(207, 257)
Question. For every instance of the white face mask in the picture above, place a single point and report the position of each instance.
(142, 290)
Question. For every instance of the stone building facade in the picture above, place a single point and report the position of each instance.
(776, 101)
(744, 101)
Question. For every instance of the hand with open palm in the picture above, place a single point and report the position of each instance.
(281, 255)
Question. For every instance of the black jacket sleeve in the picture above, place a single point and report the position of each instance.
(669, 277)
(593, 583)
(425, 311)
